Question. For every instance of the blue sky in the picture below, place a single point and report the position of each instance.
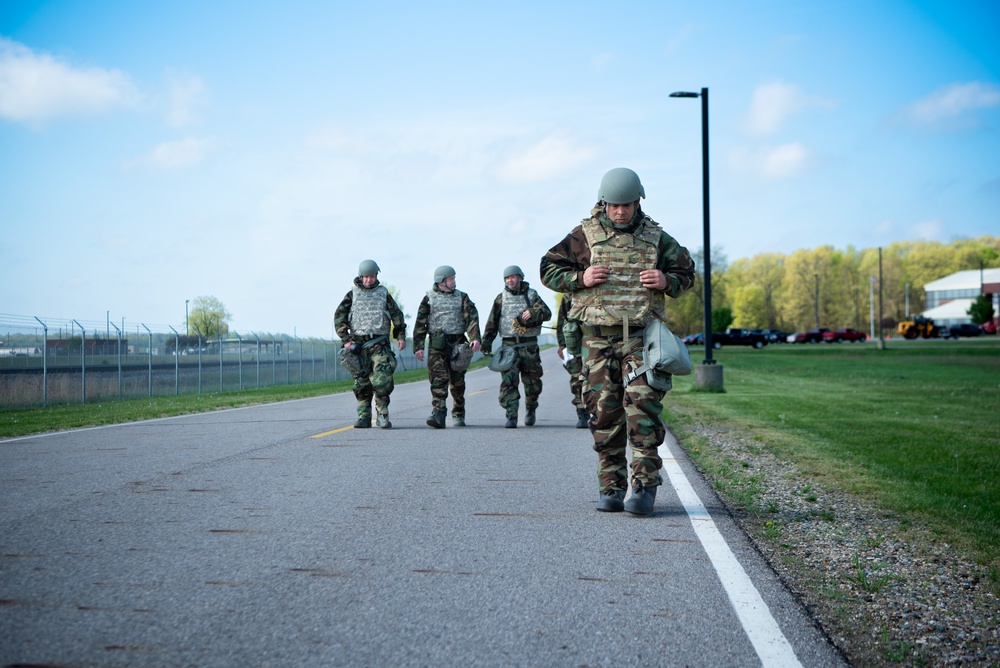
(257, 152)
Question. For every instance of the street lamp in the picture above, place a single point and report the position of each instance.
(709, 375)
(187, 327)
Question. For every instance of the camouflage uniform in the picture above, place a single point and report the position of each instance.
(621, 416)
(366, 320)
(575, 366)
(449, 319)
(527, 367)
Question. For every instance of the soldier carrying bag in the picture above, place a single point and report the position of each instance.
(461, 356)
(663, 355)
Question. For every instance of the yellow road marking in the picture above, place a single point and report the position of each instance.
(332, 431)
(476, 392)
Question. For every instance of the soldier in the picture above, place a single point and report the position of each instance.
(517, 316)
(449, 317)
(365, 320)
(619, 265)
(568, 335)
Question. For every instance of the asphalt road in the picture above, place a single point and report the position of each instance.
(279, 535)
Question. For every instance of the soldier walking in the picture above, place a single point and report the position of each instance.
(365, 320)
(450, 319)
(517, 316)
(569, 336)
(619, 266)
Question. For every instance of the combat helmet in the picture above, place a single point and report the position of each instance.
(368, 268)
(513, 270)
(443, 272)
(620, 186)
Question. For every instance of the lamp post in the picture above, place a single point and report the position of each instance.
(708, 376)
(187, 326)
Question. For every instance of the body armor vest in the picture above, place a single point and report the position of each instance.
(369, 315)
(511, 306)
(446, 312)
(622, 294)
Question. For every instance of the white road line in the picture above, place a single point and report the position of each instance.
(765, 635)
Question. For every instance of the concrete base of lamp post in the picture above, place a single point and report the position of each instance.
(708, 378)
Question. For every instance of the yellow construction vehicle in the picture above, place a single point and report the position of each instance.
(918, 327)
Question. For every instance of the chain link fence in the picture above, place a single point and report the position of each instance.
(48, 361)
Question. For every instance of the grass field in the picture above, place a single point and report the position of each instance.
(914, 427)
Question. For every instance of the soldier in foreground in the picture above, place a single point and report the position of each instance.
(517, 316)
(619, 266)
(365, 320)
(451, 320)
(569, 336)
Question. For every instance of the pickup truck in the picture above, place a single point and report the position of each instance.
(738, 337)
(965, 329)
(844, 334)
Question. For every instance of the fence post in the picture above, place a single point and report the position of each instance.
(83, 360)
(177, 358)
(45, 362)
(257, 358)
(239, 357)
(221, 380)
(118, 332)
(149, 357)
(274, 361)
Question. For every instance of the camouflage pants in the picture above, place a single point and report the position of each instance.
(379, 383)
(622, 416)
(441, 376)
(575, 369)
(527, 369)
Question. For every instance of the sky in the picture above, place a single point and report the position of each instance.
(154, 153)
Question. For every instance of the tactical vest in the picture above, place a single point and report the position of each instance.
(511, 306)
(446, 312)
(622, 294)
(369, 315)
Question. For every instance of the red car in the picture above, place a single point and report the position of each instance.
(844, 334)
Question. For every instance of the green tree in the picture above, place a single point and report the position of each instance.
(722, 318)
(980, 310)
(209, 317)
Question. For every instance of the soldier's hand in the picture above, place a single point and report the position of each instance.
(419, 355)
(349, 345)
(596, 274)
(402, 343)
(475, 346)
(654, 279)
(561, 352)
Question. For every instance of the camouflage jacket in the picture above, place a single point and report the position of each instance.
(562, 267)
(342, 316)
(564, 306)
(420, 326)
(540, 312)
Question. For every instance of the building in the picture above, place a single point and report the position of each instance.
(948, 299)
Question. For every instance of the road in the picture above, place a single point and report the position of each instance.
(280, 535)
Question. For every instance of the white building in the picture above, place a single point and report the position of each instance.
(948, 299)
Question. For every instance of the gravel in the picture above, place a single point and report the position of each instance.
(886, 591)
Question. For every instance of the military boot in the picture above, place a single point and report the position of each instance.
(641, 501)
(511, 422)
(457, 420)
(529, 418)
(382, 421)
(612, 501)
(363, 422)
(582, 417)
(436, 419)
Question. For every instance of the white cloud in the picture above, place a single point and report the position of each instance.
(774, 103)
(175, 154)
(187, 93)
(952, 102)
(548, 158)
(770, 163)
(883, 228)
(927, 230)
(36, 87)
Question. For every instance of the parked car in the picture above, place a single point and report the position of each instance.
(844, 334)
(738, 337)
(694, 339)
(812, 336)
(774, 335)
(965, 329)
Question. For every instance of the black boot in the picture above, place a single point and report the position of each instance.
(511, 422)
(612, 501)
(641, 501)
(436, 419)
(529, 418)
(582, 417)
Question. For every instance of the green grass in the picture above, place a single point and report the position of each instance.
(913, 427)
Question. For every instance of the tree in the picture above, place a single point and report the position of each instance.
(980, 310)
(209, 317)
(722, 318)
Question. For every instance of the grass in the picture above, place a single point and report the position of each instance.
(912, 427)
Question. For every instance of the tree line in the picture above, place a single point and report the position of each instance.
(824, 286)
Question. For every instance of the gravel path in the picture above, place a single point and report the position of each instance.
(886, 591)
